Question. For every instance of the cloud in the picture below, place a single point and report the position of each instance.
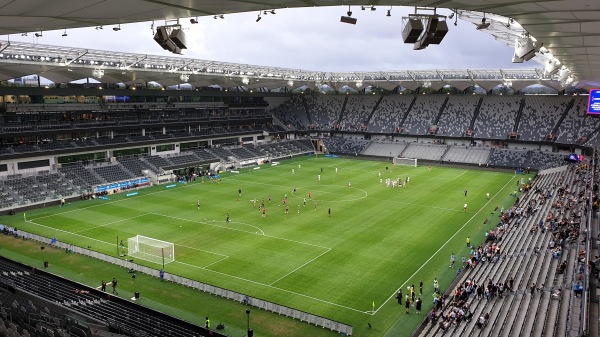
(307, 38)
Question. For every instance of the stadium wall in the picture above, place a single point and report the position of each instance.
(13, 165)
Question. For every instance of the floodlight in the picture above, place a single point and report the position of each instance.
(389, 12)
(65, 33)
(373, 8)
(563, 73)
(38, 34)
(348, 19)
(525, 48)
(98, 73)
(412, 30)
(161, 37)
(273, 11)
(516, 59)
(483, 24)
(178, 37)
(195, 21)
(222, 16)
(117, 28)
(551, 67)
(258, 18)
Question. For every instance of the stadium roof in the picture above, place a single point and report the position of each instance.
(65, 64)
(568, 29)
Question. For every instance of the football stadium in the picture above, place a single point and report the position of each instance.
(164, 195)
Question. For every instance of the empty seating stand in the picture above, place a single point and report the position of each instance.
(457, 115)
(292, 114)
(389, 113)
(424, 151)
(423, 113)
(119, 315)
(384, 149)
(576, 123)
(497, 116)
(540, 115)
(357, 111)
(345, 145)
(112, 173)
(325, 110)
(467, 155)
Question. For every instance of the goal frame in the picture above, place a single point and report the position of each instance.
(406, 161)
(164, 247)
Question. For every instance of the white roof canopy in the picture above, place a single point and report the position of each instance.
(64, 64)
(568, 29)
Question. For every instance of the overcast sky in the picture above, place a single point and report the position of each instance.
(309, 39)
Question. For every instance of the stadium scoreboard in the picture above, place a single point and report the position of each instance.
(594, 102)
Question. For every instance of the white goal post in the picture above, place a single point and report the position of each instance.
(406, 161)
(152, 250)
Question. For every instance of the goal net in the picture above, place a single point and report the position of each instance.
(149, 249)
(406, 161)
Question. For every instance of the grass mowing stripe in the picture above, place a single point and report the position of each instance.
(213, 225)
(276, 288)
(293, 271)
(201, 250)
(234, 276)
(104, 203)
(67, 232)
(374, 238)
(444, 245)
(108, 224)
(239, 230)
(458, 176)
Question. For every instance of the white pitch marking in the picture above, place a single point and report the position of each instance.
(444, 245)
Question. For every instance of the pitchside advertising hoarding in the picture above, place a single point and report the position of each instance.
(121, 185)
(594, 102)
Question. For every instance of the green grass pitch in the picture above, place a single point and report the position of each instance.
(376, 239)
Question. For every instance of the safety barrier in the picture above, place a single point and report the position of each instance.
(342, 328)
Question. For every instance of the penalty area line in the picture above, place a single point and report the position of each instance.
(273, 287)
(110, 223)
(220, 273)
(291, 272)
(72, 233)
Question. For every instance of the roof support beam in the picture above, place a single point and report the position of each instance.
(64, 62)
